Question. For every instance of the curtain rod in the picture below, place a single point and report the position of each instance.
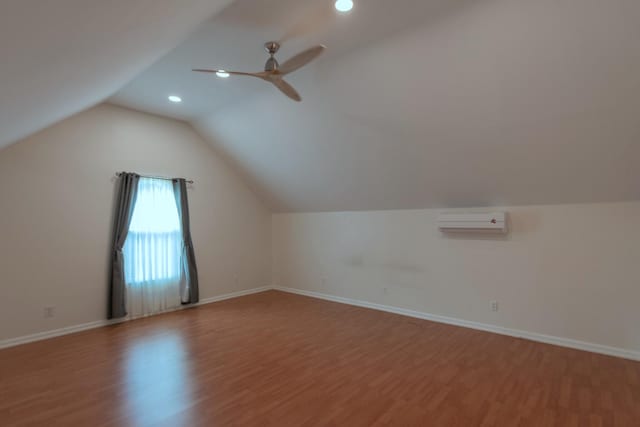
(188, 181)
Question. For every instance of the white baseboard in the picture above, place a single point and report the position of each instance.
(11, 342)
(533, 336)
(233, 295)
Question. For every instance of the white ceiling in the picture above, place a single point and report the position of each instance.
(417, 103)
(60, 57)
(234, 39)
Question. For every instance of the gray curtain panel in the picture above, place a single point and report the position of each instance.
(189, 287)
(127, 194)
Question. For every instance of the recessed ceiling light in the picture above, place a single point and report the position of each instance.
(344, 5)
(174, 98)
(222, 73)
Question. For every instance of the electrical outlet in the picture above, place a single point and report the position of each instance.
(385, 291)
(494, 305)
(49, 312)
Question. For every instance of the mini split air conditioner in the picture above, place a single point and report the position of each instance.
(492, 222)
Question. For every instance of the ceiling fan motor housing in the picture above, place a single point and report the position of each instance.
(271, 64)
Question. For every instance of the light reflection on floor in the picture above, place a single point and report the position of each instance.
(157, 380)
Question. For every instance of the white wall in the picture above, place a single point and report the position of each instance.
(571, 271)
(56, 203)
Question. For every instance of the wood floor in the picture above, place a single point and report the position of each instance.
(276, 359)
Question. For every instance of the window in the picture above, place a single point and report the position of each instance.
(153, 249)
(154, 266)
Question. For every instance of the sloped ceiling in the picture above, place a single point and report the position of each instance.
(422, 103)
(60, 57)
(497, 103)
(417, 103)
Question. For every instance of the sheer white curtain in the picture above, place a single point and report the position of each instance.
(153, 250)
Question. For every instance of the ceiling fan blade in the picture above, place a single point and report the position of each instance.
(286, 88)
(260, 75)
(301, 59)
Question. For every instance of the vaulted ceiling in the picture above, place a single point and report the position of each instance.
(60, 57)
(417, 103)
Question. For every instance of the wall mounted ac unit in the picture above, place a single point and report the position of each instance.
(492, 222)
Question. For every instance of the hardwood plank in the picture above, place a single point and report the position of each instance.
(277, 359)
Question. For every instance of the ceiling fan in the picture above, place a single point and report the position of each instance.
(273, 71)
